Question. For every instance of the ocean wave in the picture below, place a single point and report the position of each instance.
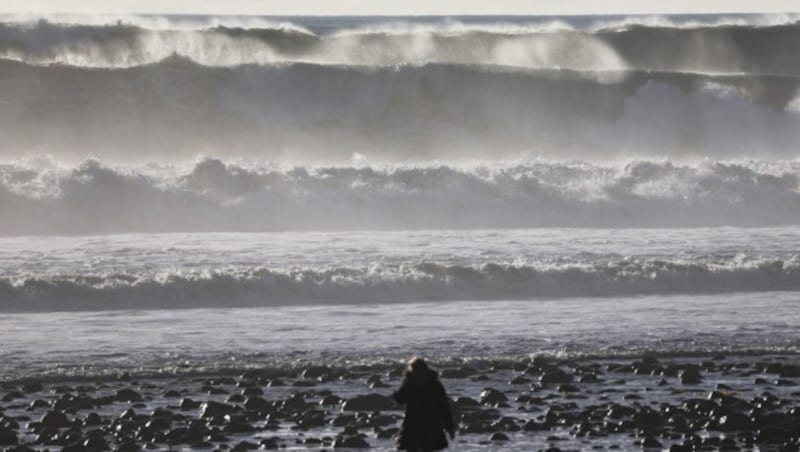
(425, 281)
(309, 112)
(659, 45)
(213, 195)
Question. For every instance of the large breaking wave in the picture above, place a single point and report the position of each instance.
(39, 197)
(426, 281)
(399, 91)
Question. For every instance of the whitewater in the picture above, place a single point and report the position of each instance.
(180, 193)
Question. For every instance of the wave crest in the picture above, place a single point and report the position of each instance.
(427, 281)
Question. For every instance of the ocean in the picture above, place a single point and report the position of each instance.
(183, 194)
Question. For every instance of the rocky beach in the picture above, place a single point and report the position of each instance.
(540, 403)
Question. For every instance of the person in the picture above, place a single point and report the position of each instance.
(427, 407)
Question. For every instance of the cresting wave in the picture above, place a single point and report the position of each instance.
(314, 113)
(213, 195)
(426, 281)
(660, 45)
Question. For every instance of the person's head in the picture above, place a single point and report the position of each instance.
(417, 369)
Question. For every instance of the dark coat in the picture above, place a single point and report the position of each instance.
(427, 414)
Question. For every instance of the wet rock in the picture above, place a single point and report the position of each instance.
(257, 404)
(55, 419)
(215, 409)
(458, 372)
(128, 395)
(351, 442)
(691, 375)
(13, 395)
(491, 396)
(317, 373)
(466, 403)
(32, 386)
(331, 400)
(95, 443)
(189, 404)
(651, 443)
(499, 437)
(171, 394)
(369, 402)
(555, 375)
(8, 437)
(39, 403)
(244, 445)
(567, 388)
(92, 419)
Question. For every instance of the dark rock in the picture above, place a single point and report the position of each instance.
(499, 437)
(317, 373)
(691, 376)
(215, 409)
(8, 437)
(567, 388)
(257, 404)
(95, 443)
(491, 396)
(651, 443)
(189, 404)
(351, 442)
(370, 402)
(244, 445)
(92, 419)
(554, 375)
(331, 400)
(171, 394)
(458, 372)
(466, 403)
(128, 395)
(32, 386)
(55, 419)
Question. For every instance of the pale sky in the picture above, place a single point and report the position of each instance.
(397, 7)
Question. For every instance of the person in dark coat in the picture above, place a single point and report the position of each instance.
(427, 414)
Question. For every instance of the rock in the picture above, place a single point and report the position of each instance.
(55, 419)
(491, 396)
(499, 437)
(32, 386)
(92, 419)
(215, 409)
(331, 400)
(171, 394)
(128, 395)
(8, 437)
(95, 443)
(457, 372)
(256, 404)
(567, 388)
(189, 404)
(369, 402)
(554, 375)
(466, 403)
(734, 422)
(351, 442)
(317, 372)
(651, 443)
(691, 376)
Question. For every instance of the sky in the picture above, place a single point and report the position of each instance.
(397, 7)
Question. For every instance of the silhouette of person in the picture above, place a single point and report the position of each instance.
(427, 414)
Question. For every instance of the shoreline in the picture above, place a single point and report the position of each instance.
(712, 401)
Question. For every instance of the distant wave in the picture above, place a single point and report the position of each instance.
(658, 45)
(427, 281)
(213, 195)
(309, 112)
